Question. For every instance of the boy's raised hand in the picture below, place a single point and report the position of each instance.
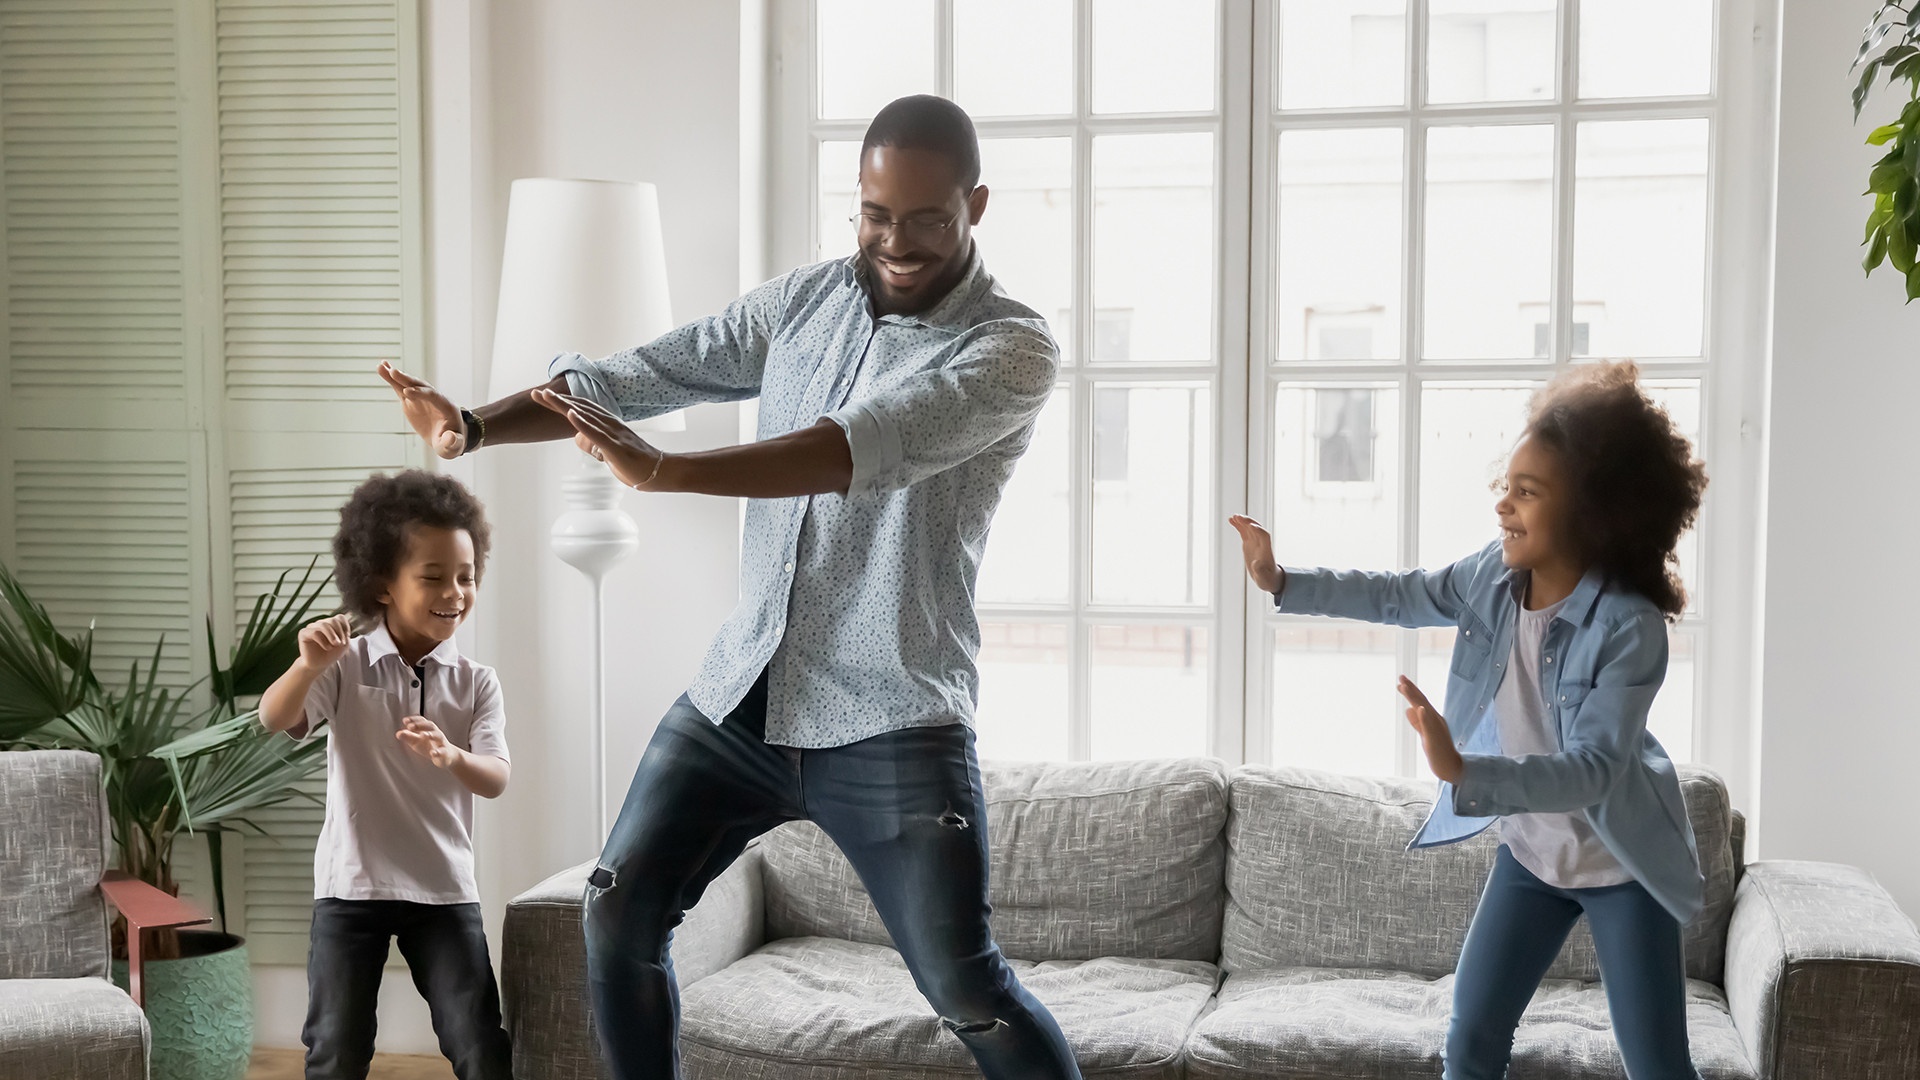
(321, 643)
(433, 415)
(1256, 547)
(1442, 757)
(423, 737)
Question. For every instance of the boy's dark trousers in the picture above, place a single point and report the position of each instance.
(446, 949)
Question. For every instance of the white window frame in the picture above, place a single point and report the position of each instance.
(1732, 368)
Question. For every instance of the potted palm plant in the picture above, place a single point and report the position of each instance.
(175, 759)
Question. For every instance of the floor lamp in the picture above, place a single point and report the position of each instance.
(584, 271)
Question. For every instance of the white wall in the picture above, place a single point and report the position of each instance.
(612, 89)
(1840, 743)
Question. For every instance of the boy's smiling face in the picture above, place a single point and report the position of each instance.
(433, 590)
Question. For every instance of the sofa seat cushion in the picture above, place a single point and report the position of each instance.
(71, 1027)
(1355, 1024)
(822, 1007)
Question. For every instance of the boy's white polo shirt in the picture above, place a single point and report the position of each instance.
(397, 828)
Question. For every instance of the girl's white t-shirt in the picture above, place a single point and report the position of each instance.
(1561, 848)
(396, 827)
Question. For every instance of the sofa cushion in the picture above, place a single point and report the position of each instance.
(53, 849)
(1089, 859)
(1318, 875)
(805, 1008)
(69, 1028)
(1332, 1024)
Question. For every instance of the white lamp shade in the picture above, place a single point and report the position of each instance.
(584, 270)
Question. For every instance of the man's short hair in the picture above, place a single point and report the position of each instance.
(926, 122)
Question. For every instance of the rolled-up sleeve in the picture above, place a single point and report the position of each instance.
(718, 358)
(994, 385)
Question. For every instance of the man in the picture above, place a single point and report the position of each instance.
(898, 388)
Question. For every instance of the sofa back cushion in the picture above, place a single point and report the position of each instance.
(1318, 875)
(1088, 860)
(53, 849)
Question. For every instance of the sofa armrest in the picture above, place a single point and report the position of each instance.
(543, 962)
(1823, 974)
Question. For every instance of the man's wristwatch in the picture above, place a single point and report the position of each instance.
(476, 431)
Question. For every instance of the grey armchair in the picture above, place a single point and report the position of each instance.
(60, 1015)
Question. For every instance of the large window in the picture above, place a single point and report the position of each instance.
(1304, 257)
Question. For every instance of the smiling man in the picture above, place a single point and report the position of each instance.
(897, 389)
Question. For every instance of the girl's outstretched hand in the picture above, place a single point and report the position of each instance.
(1256, 547)
(1442, 757)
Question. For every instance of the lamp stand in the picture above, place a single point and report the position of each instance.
(592, 536)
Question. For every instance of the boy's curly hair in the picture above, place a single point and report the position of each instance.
(1634, 483)
(373, 531)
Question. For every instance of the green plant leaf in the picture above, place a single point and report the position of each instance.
(1876, 252)
(1865, 85)
(1886, 178)
(1903, 199)
(270, 642)
(1882, 212)
(1904, 69)
(43, 674)
(1913, 284)
(1882, 134)
(1900, 246)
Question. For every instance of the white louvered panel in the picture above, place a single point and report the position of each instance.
(90, 140)
(279, 876)
(310, 197)
(108, 542)
(282, 518)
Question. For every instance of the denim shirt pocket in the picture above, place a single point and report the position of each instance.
(1472, 648)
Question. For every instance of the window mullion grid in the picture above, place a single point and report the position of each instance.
(1080, 443)
(1563, 182)
(1413, 344)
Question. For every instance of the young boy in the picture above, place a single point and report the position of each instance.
(415, 731)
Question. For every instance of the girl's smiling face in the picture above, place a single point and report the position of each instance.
(1532, 510)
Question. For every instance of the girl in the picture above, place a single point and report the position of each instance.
(1562, 644)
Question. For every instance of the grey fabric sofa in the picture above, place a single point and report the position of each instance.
(1181, 921)
(60, 1017)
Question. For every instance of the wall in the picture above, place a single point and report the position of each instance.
(611, 89)
(1840, 747)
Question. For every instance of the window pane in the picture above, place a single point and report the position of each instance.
(1681, 399)
(1339, 245)
(1342, 53)
(1671, 720)
(1646, 48)
(1336, 475)
(1026, 236)
(1152, 506)
(1153, 231)
(1491, 50)
(872, 51)
(1489, 240)
(1003, 72)
(1333, 697)
(1028, 548)
(1150, 694)
(1023, 691)
(839, 188)
(1466, 431)
(1153, 55)
(1641, 187)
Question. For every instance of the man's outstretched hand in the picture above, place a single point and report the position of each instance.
(1442, 757)
(1256, 547)
(632, 460)
(433, 416)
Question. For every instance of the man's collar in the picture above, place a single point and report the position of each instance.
(948, 312)
(380, 644)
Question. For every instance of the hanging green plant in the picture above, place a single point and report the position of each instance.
(1891, 49)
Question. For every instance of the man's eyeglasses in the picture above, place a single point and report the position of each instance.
(917, 230)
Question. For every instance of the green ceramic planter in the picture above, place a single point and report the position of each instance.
(200, 1008)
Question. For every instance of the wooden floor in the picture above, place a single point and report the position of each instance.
(290, 1065)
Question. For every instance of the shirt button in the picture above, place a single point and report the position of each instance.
(789, 568)
(416, 682)
(1549, 659)
(1473, 802)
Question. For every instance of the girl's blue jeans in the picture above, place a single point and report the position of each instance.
(1517, 933)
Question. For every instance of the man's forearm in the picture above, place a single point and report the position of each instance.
(519, 419)
(812, 461)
